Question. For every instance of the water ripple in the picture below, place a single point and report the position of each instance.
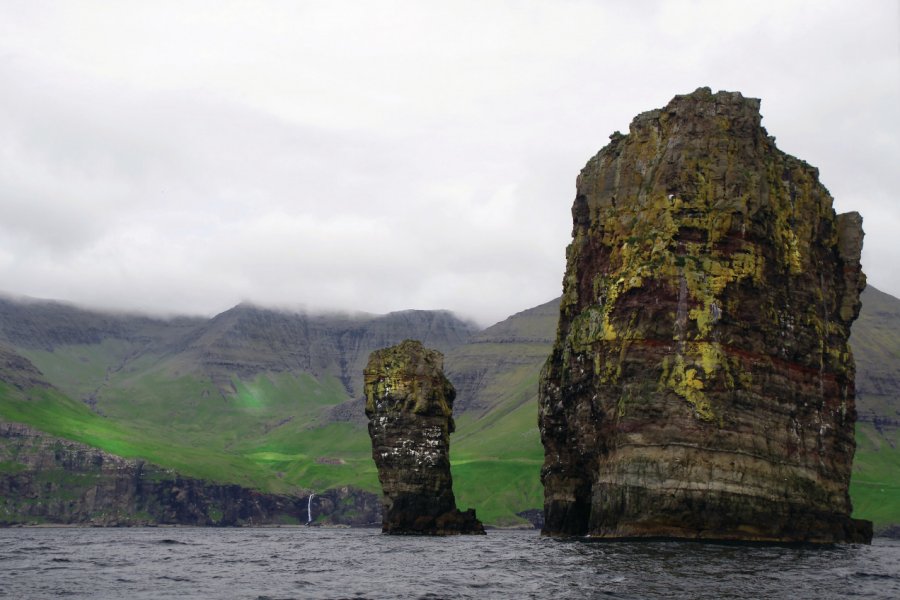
(288, 563)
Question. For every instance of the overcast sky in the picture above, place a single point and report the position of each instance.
(181, 157)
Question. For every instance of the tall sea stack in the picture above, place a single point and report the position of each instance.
(701, 385)
(409, 403)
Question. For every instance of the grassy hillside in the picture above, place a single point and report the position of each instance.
(875, 487)
(51, 411)
(266, 434)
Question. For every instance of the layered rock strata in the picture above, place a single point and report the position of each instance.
(409, 403)
(701, 384)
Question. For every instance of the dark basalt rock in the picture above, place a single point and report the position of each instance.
(409, 403)
(701, 384)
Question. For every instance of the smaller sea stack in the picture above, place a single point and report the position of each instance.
(409, 403)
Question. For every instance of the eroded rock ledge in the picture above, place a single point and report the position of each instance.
(409, 403)
(701, 385)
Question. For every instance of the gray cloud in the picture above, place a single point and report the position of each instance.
(182, 157)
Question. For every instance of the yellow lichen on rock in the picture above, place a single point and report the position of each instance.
(645, 249)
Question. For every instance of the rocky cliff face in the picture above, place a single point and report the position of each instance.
(409, 403)
(701, 384)
(46, 479)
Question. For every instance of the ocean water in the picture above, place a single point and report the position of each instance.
(282, 563)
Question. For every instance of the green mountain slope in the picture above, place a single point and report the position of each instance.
(875, 487)
(496, 452)
(26, 397)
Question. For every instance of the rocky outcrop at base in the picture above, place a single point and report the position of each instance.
(409, 403)
(701, 385)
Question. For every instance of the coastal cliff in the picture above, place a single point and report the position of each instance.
(49, 480)
(409, 403)
(701, 384)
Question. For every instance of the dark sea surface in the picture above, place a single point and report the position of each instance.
(281, 563)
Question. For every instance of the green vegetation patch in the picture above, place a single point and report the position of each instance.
(498, 489)
(9, 467)
(875, 486)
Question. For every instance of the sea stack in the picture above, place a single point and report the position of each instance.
(409, 403)
(701, 385)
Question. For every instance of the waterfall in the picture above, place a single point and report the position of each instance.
(309, 509)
